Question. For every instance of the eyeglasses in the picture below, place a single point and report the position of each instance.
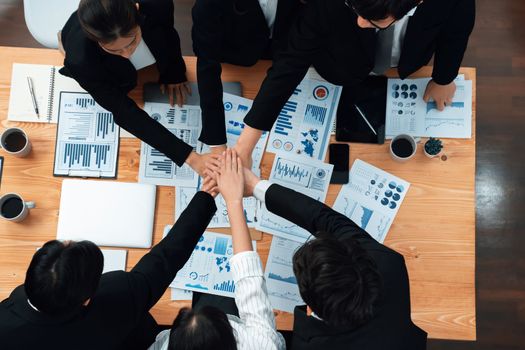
(349, 5)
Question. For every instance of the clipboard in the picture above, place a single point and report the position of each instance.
(370, 97)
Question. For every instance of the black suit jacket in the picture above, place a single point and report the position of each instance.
(235, 32)
(327, 36)
(392, 327)
(109, 78)
(122, 301)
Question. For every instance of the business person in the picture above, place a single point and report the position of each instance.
(106, 42)
(207, 327)
(346, 40)
(356, 290)
(65, 302)
(238, 32)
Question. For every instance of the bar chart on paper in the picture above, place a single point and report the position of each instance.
(87, 138)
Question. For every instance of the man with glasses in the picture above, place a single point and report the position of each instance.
(346, 40)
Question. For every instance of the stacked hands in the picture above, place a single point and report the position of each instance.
(225, 174)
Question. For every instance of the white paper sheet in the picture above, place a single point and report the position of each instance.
(208, 268)
(305, 123)
(181, 294)
(371, 199)
(114, 260)
(280, 279)
(308, 176)
(407, 113)
(155, 167)
(184, 195)
(87, 138)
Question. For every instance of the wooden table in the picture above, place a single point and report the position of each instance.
(434, 229)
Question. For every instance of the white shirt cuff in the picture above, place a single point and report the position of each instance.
(260, 189)
(246, 264)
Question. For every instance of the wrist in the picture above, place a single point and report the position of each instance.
(192, 159)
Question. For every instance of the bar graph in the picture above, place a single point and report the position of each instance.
(221, 244)
(226, 286)
(85, 102)
(170, 116)
(284, 125)
(105, 124)
(315, 115)
(86, 156)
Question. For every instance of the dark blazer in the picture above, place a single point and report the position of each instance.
(235, 32)
(109, 78)
(119, 309)
(327, 36)
(392, 327)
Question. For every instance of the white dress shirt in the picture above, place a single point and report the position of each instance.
(142, 57)
(400, 29)
(269, 9)
(254, 329)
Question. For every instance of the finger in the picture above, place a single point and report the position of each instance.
(449, 101)
(162, 88)
(240, 169)
(228, 159)
(426, 96)
(179, 96)
(170, 91)
(187, 86)
(440, 105)
(234, 162)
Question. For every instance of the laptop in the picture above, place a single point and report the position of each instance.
(108, 213)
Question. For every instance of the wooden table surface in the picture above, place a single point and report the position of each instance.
(434, 228)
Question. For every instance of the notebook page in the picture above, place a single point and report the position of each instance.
(62, 83)
(20, 101)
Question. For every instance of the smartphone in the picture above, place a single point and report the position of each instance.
(339, 156)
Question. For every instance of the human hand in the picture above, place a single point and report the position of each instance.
(198, 162)
(442, 94)
(209, 186)
(250, 181)
(230, 178)
(176, 92)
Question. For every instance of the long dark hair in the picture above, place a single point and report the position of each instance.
(107, 20)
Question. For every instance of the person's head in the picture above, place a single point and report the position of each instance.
(114, 24)
(63, 276)
(338, 280)
(380, 14)
(207, 328)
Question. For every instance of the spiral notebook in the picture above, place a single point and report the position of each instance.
(47, 84)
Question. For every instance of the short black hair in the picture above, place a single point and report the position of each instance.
(206, 328)
(107, 20)
(376, 10)
(338, 280)
(63, 275)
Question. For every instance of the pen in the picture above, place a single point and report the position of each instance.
(366, 120)
(33, 97)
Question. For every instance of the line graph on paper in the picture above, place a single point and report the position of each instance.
(372, 221)
(293, 172)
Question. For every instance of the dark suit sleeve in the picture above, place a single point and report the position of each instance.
(129, 116)
(310, 214)
(167, 51)
(156, 270)
(452, 42)
(207, 35)
(288, 69)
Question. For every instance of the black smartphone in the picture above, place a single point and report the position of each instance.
(339, 156)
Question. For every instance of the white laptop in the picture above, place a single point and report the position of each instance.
(108, 213)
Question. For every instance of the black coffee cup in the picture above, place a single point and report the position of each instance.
(15, 141)
(13, 207)
(403, 147)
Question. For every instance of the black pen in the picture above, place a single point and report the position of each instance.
(366, 120)
(33, 96)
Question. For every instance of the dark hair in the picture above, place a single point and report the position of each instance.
(107, 20)
(380, 9)
(63, 275)
(206, 328)
(338, 280)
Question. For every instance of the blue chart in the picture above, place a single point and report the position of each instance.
(242, 109)
(160, 166)
(293, 172)
(226, 286)
(365, 216)
(315, 115)
(289, 279)
(104, 123)
(289, 296)
(234, 127)
(284, 123)
(432, 105)
(221, 244)
(85, 102)
(79, 155)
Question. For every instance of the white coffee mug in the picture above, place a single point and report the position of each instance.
(403, 153)
(15, 142)
(13, 208)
